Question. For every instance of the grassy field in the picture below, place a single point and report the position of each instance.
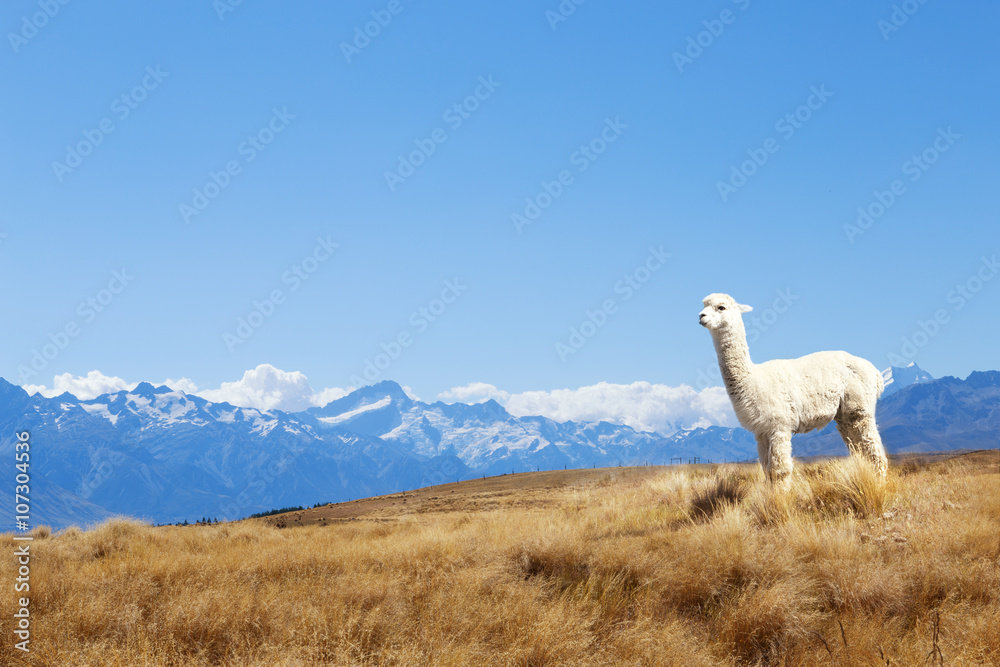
(682, 566)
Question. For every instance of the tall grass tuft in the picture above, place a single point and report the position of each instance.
(727, 488)
(852, 485)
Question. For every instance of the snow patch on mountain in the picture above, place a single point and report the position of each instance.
(101, 410)
(351, 414)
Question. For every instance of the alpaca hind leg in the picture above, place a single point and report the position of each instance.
(871, 444)
(850, 434)
(862, 439)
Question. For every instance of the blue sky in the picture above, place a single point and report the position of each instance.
(206, 89)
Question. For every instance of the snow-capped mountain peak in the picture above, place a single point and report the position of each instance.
(897, 377)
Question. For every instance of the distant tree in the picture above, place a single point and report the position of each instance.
(277, 511)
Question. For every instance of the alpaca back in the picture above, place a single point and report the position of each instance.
(806, 393)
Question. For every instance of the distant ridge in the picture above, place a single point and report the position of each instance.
(933, 415)
(167, 456)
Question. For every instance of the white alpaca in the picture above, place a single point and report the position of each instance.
(777, 398)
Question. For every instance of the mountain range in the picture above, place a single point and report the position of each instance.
(166, 456)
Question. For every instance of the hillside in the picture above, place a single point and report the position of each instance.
(686, 566)
(522, 490)
(530, 489)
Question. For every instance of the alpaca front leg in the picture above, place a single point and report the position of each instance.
(781, 461)
(764, 454)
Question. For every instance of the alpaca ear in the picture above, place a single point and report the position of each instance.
(745, 308)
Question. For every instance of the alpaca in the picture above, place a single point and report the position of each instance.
(777, 398)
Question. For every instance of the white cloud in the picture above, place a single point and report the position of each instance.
(475, 392)
(264, 388)
(84, 387)
(270, 388)
(641, 405)
(328, 395)
(95, 383)
(182, 384)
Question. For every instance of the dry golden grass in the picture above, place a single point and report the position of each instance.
(668, 567)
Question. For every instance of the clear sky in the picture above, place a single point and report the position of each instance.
(697, 147)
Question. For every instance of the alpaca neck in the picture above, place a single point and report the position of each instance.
(737, 368)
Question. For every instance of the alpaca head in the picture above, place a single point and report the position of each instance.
(722, 314)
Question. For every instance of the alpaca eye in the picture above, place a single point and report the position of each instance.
(722, 307)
